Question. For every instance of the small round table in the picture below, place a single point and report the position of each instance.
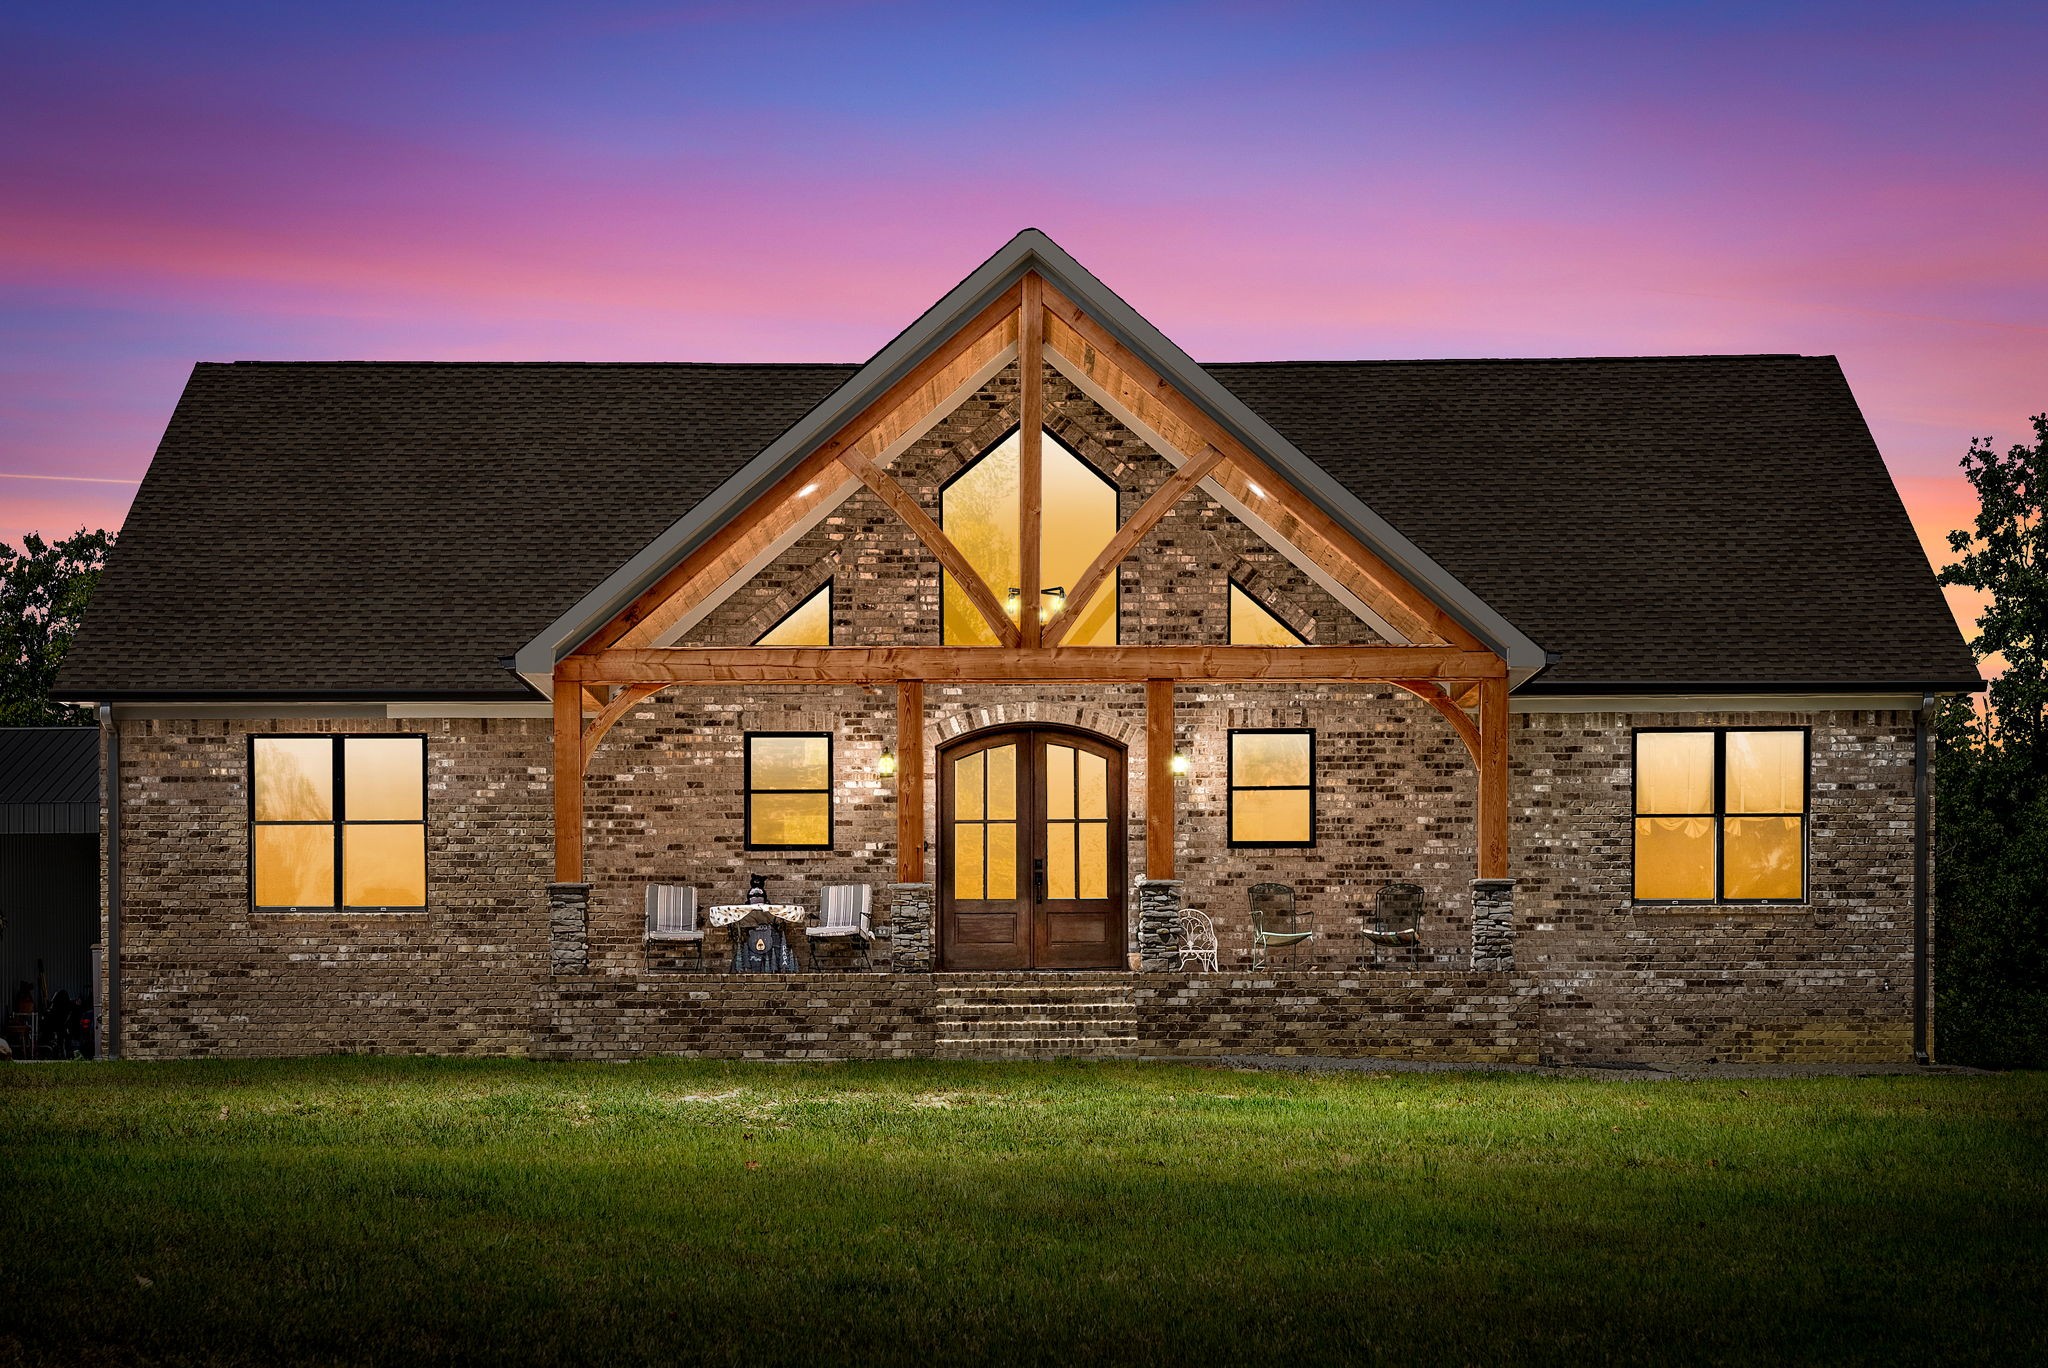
(737, 917)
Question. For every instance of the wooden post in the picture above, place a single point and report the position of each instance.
(1493, 779)
(1031, 450)
(1160, 800)
(568, 780)
(909, 781)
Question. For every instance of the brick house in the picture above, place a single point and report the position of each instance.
(414, 678)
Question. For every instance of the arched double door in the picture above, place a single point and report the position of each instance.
(1032, 849)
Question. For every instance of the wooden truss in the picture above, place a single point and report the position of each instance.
(624, 663)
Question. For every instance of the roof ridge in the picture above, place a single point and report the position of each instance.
(848, 365)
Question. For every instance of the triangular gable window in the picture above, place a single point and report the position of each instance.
(807, 624)
(1252, 623)
(981, 509)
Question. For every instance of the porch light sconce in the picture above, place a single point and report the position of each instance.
(1013, 602)
(1180, 764)
(1058, 595)
(886, 766)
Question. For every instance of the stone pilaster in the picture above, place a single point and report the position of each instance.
(911, 908)
(1493, 925)
(568, 928)
(1159, 924)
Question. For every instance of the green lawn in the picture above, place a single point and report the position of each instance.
(418, 1212)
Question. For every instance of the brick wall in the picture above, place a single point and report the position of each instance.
(206, 975)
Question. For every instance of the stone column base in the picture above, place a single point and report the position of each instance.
(1159, 924)
(1493, 925)
(911, 909)
(568, 928)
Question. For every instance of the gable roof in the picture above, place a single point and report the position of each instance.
(1030, 251)
(395, 530)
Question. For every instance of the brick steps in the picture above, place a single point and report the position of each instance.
(1035, 1017)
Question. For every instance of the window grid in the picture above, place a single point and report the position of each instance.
(1233, 788)
(750, 791)
(1720, 815)
(338, 819)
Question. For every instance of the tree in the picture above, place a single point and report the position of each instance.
(44, 588)
(1991, 776)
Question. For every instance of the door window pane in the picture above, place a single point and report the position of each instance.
(968, 862)
(295, 866)
(384, 865)
(383, 778)
(1002, 783)
(1093, 785)
(1059, 860)
(1059, 782)
(1093, 858)
(1002, 860)
(969, 772)
(294, 779)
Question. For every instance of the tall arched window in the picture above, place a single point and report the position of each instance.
(981, 509)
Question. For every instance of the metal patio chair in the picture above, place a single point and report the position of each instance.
(843, 911)
(1278, 923)
(1396, 917)
(672, 917)
(1197, 939)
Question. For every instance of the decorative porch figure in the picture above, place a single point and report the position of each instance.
(757, 889)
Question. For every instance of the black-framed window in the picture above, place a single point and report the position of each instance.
(981, 509)
(1254, 623)
(789, 790)
(338, 822)
(807, 624)
(1720, 814)
(1271, 777)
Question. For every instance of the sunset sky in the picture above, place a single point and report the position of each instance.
(1263, 180)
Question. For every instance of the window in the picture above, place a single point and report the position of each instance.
(338, 821)
(981, 509)
(1252, 623)
(1272, 788)
(789, 790)
(807, 624)
(1720, 815)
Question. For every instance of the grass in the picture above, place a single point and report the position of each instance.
(424, 1212)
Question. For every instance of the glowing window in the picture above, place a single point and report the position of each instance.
(981, 509)
(1272, 788)
(789, 790)
(807, 624)
(1720, 815)
(338, 822)
(1252, 623)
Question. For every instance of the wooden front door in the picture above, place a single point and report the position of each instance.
(1031, 851)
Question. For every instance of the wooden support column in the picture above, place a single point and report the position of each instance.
(568, 780)
(1161, 801)
(1493, 779)
(1031, 451)
(909, 781)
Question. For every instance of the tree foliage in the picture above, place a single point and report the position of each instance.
(44, 588)
(1991, 774)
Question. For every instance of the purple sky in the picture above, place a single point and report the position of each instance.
(796, 182)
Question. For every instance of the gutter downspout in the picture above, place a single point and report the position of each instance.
(1923, 1043)
(110, 790)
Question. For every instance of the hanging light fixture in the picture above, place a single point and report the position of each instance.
(886, 766)
(1180, 764)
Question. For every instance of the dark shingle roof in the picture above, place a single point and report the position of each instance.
(394, 529)
(49, 780)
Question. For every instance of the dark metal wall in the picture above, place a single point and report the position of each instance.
(49, 895)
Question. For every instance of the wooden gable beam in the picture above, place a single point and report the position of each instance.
(752, 531)
(1050, 665)
(1126, 540)
(904, 505)
(1250, 480)
(1031, 452)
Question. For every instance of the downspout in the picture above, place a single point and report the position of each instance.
(1923, 1045)
(110, 798)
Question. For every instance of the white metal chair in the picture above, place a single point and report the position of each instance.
(672, 916)
(843, 911)
(1197, 939)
